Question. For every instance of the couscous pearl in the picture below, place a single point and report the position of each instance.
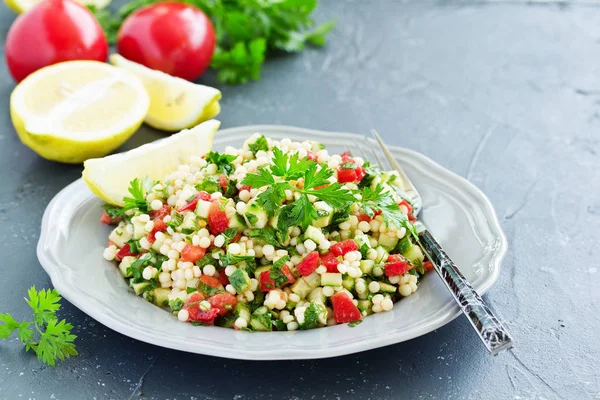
(387, 304)
(287, 319)
(378, 298)
(250, 296)
(345, 226)
(196, 270)
(234, 248)
(173, 254)
(364, 226)
(342, 268)
(241, 323)
(328, 291)
(268, 250)
(281, 253)
(147, 273)
(321, 270)
(240, 207)
(310, 245)
(171, 264)
(110, 253)
(361, 286)
(405, 290)
(394, 279)
(377, 308)
(159, 236)
(204, 242)
(205, 304)
(377, 271)
(301, 249)
(324, 245)
(230, 289)
(189, 274)
(203, 233)
(196, 240)
(144, 218)
(292, 326)
(181, 283)
(230, 269)
(294, 298)
(244, 196)
(183, 315)
(219, 241)
(209, 270)
(374, 287)
(156, 204)
(372, 254)
(149, 226)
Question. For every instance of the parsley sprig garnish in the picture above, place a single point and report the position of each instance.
(379, 199)
(277, 177)
(48, 337)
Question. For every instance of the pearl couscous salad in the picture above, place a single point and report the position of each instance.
(277, 235)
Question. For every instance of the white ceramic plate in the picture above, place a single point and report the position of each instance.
(460, 216)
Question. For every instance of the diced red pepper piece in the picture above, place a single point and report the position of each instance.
(217, 219)
(396, 265)
(344, 309)
(159, 226)
(108, 220)
(223, 302)
(192, 253)
(161, 213)
(341, 248)
(192, 204)
(266, 283)
(308, 265)
(428, 265)
(124, 252)
(330, 261)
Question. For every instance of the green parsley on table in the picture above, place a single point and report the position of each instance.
(247, 31)
(48, 337)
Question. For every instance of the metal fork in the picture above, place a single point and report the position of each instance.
(494, 335)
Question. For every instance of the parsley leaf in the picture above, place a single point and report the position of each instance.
(231, 259)
(263, 178)
(209, 184)
(271, 199)
(176, 304)
(207, 289)
(259, 144)
(112, 211)
(222, 161)
(176, 220)
(312, 314)
(138, 200)
(380, 199)
(51, 339)
(229, 234)
(276, 272)
(266, 234)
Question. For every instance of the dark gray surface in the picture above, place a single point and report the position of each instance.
(506, 94)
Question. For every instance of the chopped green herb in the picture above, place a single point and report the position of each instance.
(276, 272)
(354, 323)
(259, 144)
(176, 220)
(222, 161)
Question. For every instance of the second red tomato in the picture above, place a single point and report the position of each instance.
(175, 38)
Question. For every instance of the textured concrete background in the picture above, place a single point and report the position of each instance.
(505, 93)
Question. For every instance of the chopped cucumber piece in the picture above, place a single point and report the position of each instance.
(126, 263)
(313, 234)
(238, 222)
(313, 280)
(414, 254)
(241, 310)
(190, 221)
(260, 270)
(331, 279)
(366, 266)
(301, 288)
(316, 294)
(255, 216)
(382, 255)
(138, 288)
(261, 319)
(139, 230)
(161, 296)
(202, 208)
(119, 237)
(388, 242)
(240, 280)
(386, 287)
(348, 282)
(365, 305)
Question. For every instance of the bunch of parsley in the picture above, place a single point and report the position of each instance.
(48, 337)
(246, 31)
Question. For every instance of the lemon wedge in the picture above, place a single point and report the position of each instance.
(175, 103)
(20, 6)
(76, 110)
(109, 177)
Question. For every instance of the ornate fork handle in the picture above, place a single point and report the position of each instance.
(493, 334)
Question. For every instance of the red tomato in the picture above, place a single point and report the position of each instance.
(346, 175)
(409, 209)
(364, 217)
(198, 314)
(211, 281)
(159, 226)
(311, 156)
(224, 302)
(161, 212)
(308, 265)
(330, 261)
(266, 283)
(223, 279)
(192, 204)
(344, 310)
(341, 248)
(396, 265)
(124, 252)
(108, 220)
(51, 32)
(192, 253)
(246, 187)
(223, 181)
(360, 173)
(175, 38)
(428, 266)
(217, 219)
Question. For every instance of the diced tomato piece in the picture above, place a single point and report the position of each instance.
(396, 265)
(159, 226)
(341, 248)
(198, 314)
(224, 279)
(360, 173)
(308, 265)
(192, 253)
(345, 155)
(428, 265)
(311, 156)
(192, 204)
(364, 217)
(266, 283)
(217, 219)
(210, 281)
(330, 261)
(124, 252)
(237, 237)
(224, 302)
(246, 187)
(161, 213)
(223, 181)
(344, 309)
(108, 220)
(346, 175)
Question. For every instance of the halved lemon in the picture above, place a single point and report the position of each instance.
(76, 110)
(20, 6)
(175, 103)
(109, 177)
